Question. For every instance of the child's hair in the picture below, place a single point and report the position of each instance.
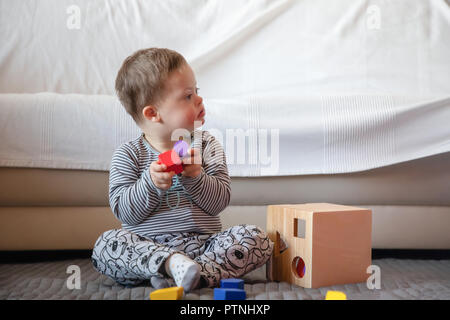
(141, 78)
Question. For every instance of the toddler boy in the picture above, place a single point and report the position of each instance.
(171, 229)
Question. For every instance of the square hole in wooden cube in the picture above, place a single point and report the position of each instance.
(299, 228)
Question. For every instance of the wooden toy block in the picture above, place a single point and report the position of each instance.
(335, 295)
(229, 294)
(232, 283)
(172, 293)
(171, 159)
(327, 244)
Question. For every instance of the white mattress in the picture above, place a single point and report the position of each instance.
(347, 86)
(327, 135)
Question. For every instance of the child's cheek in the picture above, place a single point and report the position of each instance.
(183, 119)
(191, 117)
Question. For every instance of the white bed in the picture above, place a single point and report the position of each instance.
(269, 136)
(342, 87)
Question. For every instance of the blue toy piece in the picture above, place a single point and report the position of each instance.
(229, 294)
(232, 283)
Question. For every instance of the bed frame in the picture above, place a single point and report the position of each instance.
(46, 209)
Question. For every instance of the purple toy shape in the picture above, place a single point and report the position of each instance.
(181, 147)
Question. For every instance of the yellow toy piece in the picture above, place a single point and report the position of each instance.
(335, 295)
(172, 293)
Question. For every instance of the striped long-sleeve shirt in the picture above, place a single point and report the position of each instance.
(190, 205)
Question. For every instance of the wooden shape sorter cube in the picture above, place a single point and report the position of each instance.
(327, 244)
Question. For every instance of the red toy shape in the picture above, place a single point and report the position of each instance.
(171, 160)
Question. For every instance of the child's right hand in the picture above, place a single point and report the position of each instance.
(161, 179)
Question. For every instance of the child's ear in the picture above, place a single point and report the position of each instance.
(151, 113)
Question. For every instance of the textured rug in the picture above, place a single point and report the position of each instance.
(400, 279)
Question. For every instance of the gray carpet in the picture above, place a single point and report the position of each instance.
(400, 279)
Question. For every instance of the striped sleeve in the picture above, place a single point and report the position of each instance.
(132, 198)
(210, 190)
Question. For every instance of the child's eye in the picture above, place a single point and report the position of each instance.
(190, 95)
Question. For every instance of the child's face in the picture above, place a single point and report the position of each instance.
(182, 105)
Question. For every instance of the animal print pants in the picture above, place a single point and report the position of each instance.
(130, 259)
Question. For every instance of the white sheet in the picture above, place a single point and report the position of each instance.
(350, 85)
(237, 47)
(334, 134)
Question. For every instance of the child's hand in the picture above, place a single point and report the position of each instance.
(161, 179)
(192, 163)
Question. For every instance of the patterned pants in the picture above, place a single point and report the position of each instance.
(130, 259)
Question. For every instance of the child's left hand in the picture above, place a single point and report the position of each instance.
(192, 163)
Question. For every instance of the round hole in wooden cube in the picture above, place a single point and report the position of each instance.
(298, 267)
